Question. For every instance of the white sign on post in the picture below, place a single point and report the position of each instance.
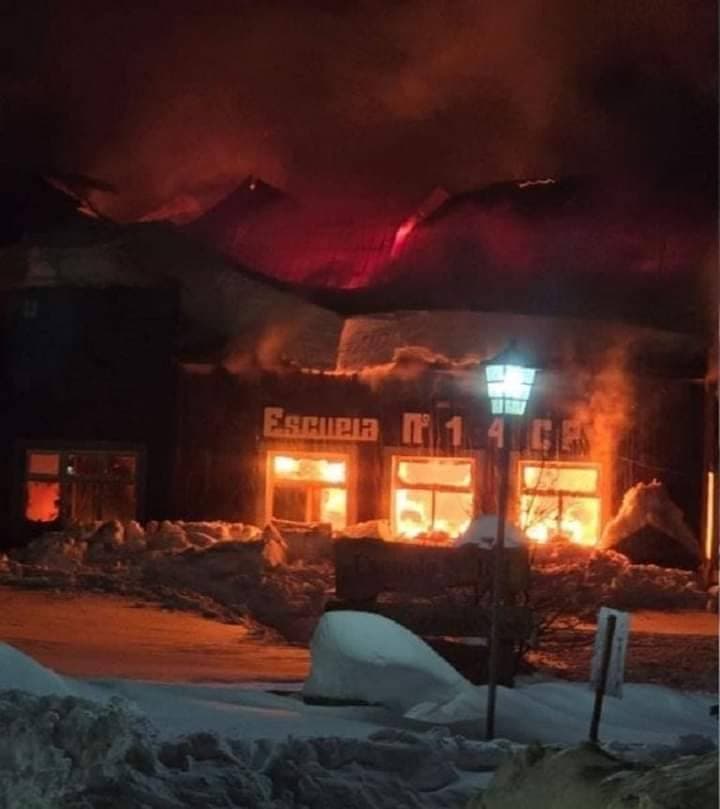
(613, 685)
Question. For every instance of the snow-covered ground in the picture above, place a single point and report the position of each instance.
(81, 743)
(235, 572)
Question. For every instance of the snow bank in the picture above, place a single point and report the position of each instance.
(559, 712)
(483, 531)
(228, 571)
(53, 748)
(367, 657)
(589, 777)
(649, 505)
(305, 543)
(114, 542)
(63, 751)
(372, 529)
(60, 750)
(283, 578)
(17, 670)
(569, 579)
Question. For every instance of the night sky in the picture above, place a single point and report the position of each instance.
(185, 98)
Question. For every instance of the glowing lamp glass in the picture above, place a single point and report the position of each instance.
(509, 388)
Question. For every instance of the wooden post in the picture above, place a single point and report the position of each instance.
(600, 691)
(498, 578)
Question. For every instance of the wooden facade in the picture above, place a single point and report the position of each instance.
(231, 426)
(94, 375)
(88, 387)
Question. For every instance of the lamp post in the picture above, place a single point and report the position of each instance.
(509, 382)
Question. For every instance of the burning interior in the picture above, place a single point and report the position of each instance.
(397, 427)
(431, 496)
(560, 500)
(308, 487)
(80, 486)
(298, 413)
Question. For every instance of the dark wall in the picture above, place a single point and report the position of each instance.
(665, 443)
(88, 365)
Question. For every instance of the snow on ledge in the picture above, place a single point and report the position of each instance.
(482, 531)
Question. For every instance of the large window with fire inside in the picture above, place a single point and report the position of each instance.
(431, 497)
(560, 500)
(80, 486)
(308, 487)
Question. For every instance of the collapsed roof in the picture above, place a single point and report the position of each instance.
(567, 247)
(238, 317)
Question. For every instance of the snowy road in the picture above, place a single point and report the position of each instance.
(108, 636)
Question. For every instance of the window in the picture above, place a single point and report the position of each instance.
(559, 499)
(80, 485)
(42, 502)
(431, 494)
(308, 487)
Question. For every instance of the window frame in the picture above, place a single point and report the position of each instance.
(309, 486)
(562, 494)
(397, 455)
(63, 449)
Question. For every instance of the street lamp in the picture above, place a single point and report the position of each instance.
(509, 383)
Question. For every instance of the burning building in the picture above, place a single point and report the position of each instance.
(224, 394)
(401, 429)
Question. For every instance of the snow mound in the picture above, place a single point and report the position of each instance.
(570, 577)
(587, 776)
(372, 529)
(482, 531)
(17, 670)
(55, 747)
(649, 505)
(369, 658)
(109, 543)
(57, 753)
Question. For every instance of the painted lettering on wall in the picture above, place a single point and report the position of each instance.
(541, 435)
(416, 428)
(279, 424)
(572, 435)
(496, 432)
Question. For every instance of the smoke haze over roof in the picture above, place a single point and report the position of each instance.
(370, 97)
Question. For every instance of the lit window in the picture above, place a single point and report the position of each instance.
(308, 487)
(80, 486)
(560, 500)
(431, 495)
(42, 501)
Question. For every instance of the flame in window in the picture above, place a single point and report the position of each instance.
(309, 488)
(285, 465)
(308, 468)
(431, 495)
(560, 500)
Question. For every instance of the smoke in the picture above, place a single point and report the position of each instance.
(169, 98)
(606, 414)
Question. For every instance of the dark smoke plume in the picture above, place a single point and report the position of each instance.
(183, 98)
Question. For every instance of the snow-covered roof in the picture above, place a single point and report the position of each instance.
(462, 336)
